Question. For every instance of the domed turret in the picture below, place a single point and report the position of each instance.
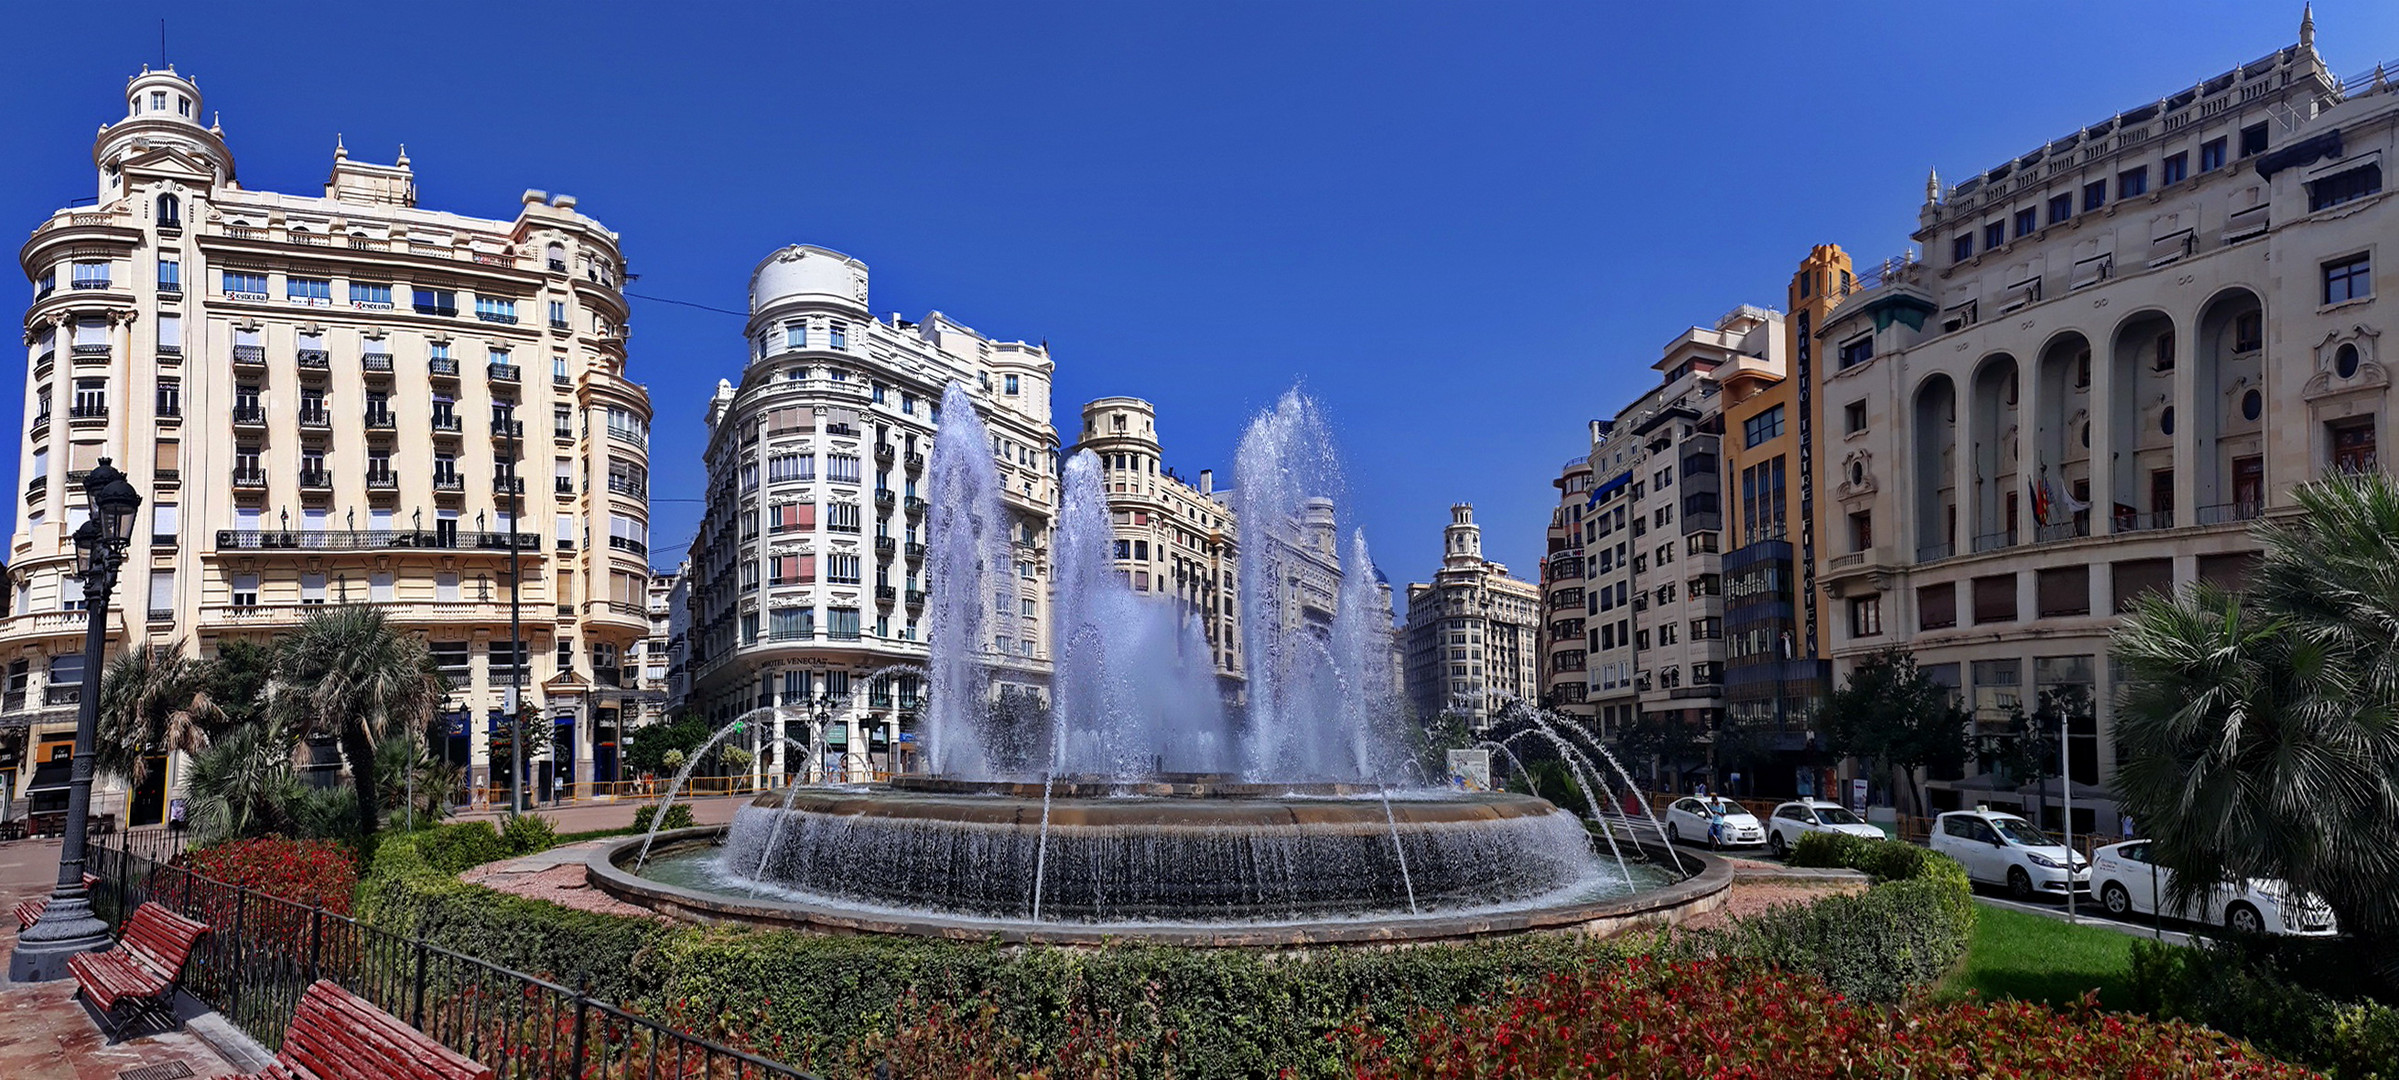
(163, 109)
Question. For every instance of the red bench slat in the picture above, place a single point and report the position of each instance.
(337, 1035)
(144, 966)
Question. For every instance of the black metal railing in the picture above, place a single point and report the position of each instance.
(369, 539)
(2221, 513)
(263, 952)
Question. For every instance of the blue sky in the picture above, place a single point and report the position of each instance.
(1467, 228)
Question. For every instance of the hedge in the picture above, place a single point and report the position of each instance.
(2259, 990)
(1198, 1012)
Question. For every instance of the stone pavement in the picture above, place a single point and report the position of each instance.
(44, 1032)
(591, 816)
(557, 876)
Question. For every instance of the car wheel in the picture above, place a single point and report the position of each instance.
(2117, 901)
(1673, 835)
(1775, 844)
(2019, 883)
(2243, 919)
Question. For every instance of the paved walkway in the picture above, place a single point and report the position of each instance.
(592, 816)
(44, 1032)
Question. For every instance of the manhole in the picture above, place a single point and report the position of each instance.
(173, 1070)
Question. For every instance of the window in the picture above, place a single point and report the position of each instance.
(2345, 186)
(837, 335)
(562, 421)
(170, 397)
(2027, 220)
(314, 292)
(170, 334)
(1853, 418)
(2253, 140)
(2348, 279)
(2174, 169)
(495, 309)
(2061, 207)
(91, 275)
(170, 275)
(2163, 354)
(1995, 599)
(2353, 445)
(244, 588)
(1762, 427)
(2248, 332)
(1994, 234)
(1961, 247)
(1857, 352)
(841, 569)
(1937, 606)
(245, 285)
(2211, 155)
(2094, 195)
(783, 467)
(1861, 530)
(435, 302)
(2132, 182)
(2345, 360)
(841, 468)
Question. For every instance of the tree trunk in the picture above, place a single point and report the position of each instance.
(361, 751)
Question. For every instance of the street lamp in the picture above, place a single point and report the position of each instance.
(68, 926)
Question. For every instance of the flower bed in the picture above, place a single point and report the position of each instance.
(318, 873)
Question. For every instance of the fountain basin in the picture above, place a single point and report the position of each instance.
(1229, 867)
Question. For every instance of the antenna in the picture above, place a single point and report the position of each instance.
(162, 43)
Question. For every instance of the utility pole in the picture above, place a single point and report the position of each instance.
(2065, 791)
(516, 631)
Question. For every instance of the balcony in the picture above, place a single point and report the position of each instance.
(886, 593)
(316, 480)
(442, 367)
(249, 356)
(563, 485)
(885, 545)
(503, 318)
(376, 363)
(1934, 552)
(915, 505)
(915, 550)
(2224, 513)
(35, 487)
(2149, 522)
(41, 423)
(916, 598)
(625, 485)
(447, 424)
(1995, 541)
(81, 413)
(627, 543)
(91, 283)
(313, 359)
(249, 416)
(2064, 530)
(372, 540)
(506, 373)
(916, 462)
(884, 452)
(451, 483)
(316, 419)
(884, 498)
(514, 485)
(253, 479)
(508, 429)
(381, 420)
(170, 289)
(170, 411)
(88, 350)
(43, 363)
(383, 480)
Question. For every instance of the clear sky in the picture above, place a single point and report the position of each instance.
(1467, 228)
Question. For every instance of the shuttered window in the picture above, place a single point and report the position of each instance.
(2064, 590)
(1995, 599)
(1937, 606)
(2137, 576)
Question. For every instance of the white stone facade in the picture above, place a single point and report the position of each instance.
(1474, 634)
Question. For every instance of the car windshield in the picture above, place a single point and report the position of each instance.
(1834, 815)
(2019, 831)
(1720, 807)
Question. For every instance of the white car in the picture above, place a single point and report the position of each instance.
(1713, 819)
(1791, 819)
(2003, 849)
(2129, 884)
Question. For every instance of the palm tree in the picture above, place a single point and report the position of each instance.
(242, 784)
(347, 673)
(2258, 731)
(152, 703)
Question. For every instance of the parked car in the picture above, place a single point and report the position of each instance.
(1718, 821)
(2003, 849)
(2130, 884)
(1791, 819)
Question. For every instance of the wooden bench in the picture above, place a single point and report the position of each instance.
(141, 972)
(30, 912)
(337, 1035)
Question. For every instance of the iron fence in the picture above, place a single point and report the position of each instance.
(262, 953)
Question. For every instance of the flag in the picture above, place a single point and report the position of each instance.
(2040, 500)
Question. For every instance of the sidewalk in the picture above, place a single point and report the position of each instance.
(590, 817)
(44, 1032)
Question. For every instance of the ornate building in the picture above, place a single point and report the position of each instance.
(808, 574)
(1474, 634)
(2120, 349)
(326, 399)
(1173, 540)
(1564, 654)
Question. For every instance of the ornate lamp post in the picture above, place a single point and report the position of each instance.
(68, 926)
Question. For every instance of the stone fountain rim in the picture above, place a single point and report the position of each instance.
(1664, 905)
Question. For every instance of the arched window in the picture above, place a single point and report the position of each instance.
(170, 211)
(557, 257)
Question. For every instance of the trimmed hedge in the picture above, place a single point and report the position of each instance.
(808, 999)
(2247, 990)
(678, 816)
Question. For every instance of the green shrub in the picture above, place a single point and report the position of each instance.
(452, 849)
(525, 834)
(1882, 860)
(2246, 989)
(1899, 935)
(678, 816)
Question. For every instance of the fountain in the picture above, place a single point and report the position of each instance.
(1146, 807)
